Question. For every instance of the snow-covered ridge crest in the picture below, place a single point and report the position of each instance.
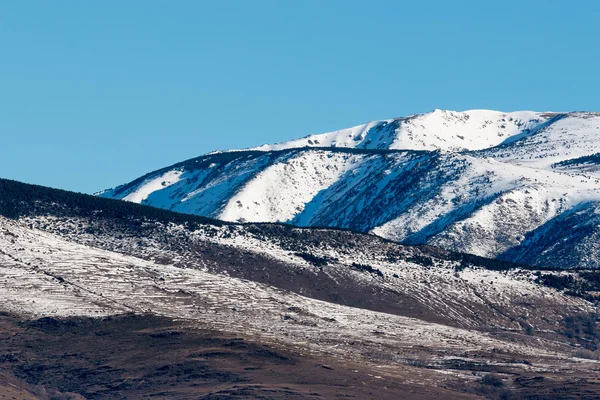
(436, 130)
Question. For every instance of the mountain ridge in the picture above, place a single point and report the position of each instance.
(107, 270)
(409, 132)
(405, 180)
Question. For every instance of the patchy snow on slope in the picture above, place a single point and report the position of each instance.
(178, 284)
(44, 274)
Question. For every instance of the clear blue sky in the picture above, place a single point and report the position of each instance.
(96, 93)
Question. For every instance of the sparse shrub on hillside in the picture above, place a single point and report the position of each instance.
(492, 380)
(314, 260)
(591, 159)
(559, 282)
(367, 268)
(421, 260)
(460, 266)
(584, 329)
(587, 354)
(491, 386)
(592, 280)
(581, 284)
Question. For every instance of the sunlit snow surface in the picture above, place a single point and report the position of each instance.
(439, 129)
(483, 182)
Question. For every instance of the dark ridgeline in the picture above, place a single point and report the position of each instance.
(19, 199)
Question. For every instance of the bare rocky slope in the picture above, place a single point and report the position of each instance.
(521, 186)
(412, 320)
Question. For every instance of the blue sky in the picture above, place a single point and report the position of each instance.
(94, 94)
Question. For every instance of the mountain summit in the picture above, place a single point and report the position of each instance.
(521, 186)
(436, 130)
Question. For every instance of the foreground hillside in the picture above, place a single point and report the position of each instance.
(522, 187)
(310, 308)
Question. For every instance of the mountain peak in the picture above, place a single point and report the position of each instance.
(436, 130)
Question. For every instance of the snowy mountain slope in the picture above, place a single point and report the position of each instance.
(220, 182)
(588, 166)
(344, 267)
(44, 275)
(489, 207)
(426, 315)
(572, 236)
(381, 275)
(302, 175)
(566, 136)
(477, 182)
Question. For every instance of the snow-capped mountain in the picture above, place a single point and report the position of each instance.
(521, 186)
